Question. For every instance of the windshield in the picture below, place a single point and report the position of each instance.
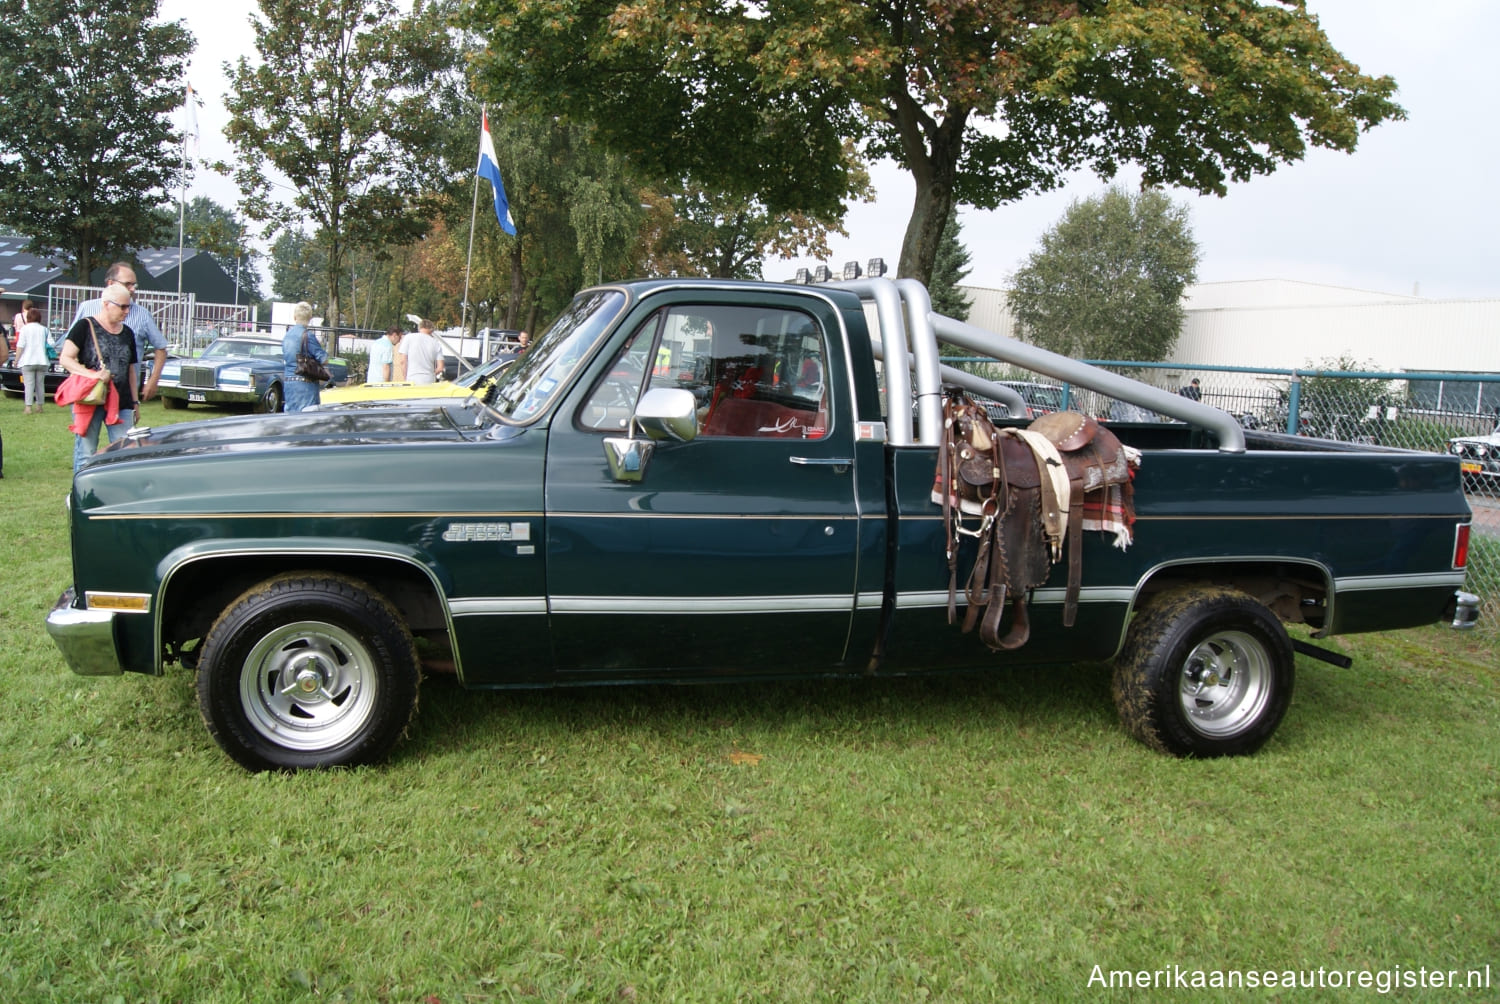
(531, 383)
(481, 372)
(229, 347)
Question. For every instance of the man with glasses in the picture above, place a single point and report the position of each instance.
(120, 278)
(100, 347)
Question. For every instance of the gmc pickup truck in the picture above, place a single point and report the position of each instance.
(694, 480)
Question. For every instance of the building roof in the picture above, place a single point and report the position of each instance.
(26, 274)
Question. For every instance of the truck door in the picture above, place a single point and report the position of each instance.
(736, 552)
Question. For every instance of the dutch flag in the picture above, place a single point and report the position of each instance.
(489, 169)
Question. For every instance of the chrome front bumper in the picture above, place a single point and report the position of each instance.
(86, 638)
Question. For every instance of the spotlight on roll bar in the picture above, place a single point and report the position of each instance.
(821, 274)
(876, 268)
(851, 270)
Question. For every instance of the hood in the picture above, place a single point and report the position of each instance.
(448, 423)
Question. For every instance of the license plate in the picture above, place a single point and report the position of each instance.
(1469, 467)
(196, 397)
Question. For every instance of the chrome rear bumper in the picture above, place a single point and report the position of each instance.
(1465, 609)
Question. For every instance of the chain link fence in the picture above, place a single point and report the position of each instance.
(1457, 413)
(188, 323)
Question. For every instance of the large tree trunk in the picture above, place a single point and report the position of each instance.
(933, 149)
(517, 287)
(335, 265)
(924, 232)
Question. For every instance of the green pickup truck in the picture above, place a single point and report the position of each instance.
(695, 480)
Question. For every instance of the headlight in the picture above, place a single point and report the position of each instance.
(1457, 449)
(237, 376)
(1481, 451)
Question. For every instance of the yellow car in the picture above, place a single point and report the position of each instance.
(476, 381)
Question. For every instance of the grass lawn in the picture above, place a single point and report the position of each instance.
(976, 838)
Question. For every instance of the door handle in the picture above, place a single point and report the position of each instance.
(823, 461)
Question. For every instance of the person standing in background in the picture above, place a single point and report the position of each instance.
(17, 322)
(139, 319)
(103, 347)
(383, 357)
(419, 357)
(300, 393)
(32, 359)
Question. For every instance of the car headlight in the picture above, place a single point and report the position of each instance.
(1481, 450)
(235, 376)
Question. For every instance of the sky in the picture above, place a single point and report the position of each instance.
(1412, 211)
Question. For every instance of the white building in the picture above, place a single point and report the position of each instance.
(1285, 324)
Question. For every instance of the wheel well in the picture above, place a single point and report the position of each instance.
(198, 593)
(1295, 592)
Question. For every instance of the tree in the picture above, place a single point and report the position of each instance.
(696, 232)
(89, 89)
(948, 270)
(577, 211)
(340, 105)
(219, 233)
(1107, 281)
(757, 100)
(298, 264)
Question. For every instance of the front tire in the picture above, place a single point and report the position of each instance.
(308, 671)
(1205, 671)
(173, 403)
(271, 402)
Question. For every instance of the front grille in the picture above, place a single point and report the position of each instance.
(202, 377)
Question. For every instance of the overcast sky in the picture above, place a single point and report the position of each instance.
(1413, 209)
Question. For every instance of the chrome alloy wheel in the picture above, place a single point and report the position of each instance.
(1226, 682)
(309, 686)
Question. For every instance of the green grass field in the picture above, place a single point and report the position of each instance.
(978, 838)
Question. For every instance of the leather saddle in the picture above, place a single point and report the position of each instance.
(1026, 496)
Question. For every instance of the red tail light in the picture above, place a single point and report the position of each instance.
(1461, 546)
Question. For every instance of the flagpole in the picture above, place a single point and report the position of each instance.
(473, 217)
(182, 207)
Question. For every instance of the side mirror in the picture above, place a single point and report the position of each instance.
(668, 413)
(663, 413)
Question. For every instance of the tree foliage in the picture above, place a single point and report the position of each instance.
(949, 269)
(219, 233)
(757, 100)
(298, 265)
(329, 125)
(87, 96)
(1108, 279)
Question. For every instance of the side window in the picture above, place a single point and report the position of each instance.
(754, 371)
(612, 402)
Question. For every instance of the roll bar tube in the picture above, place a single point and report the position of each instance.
(889, 345)
(927, 329)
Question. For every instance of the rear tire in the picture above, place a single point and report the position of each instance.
(1205, 671)
(308, 671)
